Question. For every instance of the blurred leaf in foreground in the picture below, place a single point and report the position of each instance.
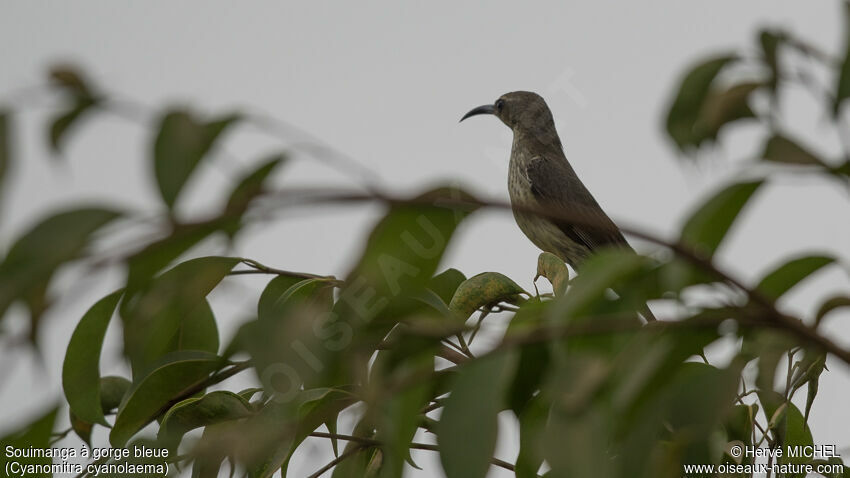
(172, 312)
(172, 378)
(36, 255)
(81, 369)
(81, 101)
(706, 228)
(684, 115)
(36, 435)
(181, 143)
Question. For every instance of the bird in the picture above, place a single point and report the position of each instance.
(541, 178)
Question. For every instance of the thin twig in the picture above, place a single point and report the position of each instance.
(783, 321)
(262, 268)
(336, 461)
(60, 435)
(451, 344)
(319, 149)
(369, 442)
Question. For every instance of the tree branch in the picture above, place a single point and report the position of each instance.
(336, 461)
(258, 268)
(369, 442)
(788, 323)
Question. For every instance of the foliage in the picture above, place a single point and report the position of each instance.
(594, 390)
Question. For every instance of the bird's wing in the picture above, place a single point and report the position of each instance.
(592, 228)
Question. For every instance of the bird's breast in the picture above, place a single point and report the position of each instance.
(545, 234)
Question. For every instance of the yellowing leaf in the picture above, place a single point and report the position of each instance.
(483, 289)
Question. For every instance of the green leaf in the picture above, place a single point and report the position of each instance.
(112, 390)
(155, 256)
(5, 146)
(35, 435)
(286, 340)
(782, 149)
(533, 364)
(81, 369)
(829, 305)
(483, 289)
(171, 313)
(789, 424)
(249, 393)
(401, 256)
(361, 463)
(768, 346)
(599, 273)
(212, 449)
(82, 100)
(446, 283)
(723, 107)
(553, 268)
(843, 169)
(81, 427)
(408, 359)
(785, 277)
(400, 421)
(275, 291)
(248, 188)
(146, 263)
(34, 257)
(649, 362)
(173, 378)
(431, 298)
(813, 374)
(739, 424)
(195, 412)
(534, 358)
(405, 247)
(181, 143)
(677, 421)
(575, 445)
(700, 396)
(684, 113)
(315, 407)
(770, 41)
(70, 79)
(466, 432)
(706, 228)
(532, 423)
(62, 123)
(264, 441)
(842, 89)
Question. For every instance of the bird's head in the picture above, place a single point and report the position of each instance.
(520, 110)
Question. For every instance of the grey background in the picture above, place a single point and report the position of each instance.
(386, 82)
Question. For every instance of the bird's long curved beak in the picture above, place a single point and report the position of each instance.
(481, 110)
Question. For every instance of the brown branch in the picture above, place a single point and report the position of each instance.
(336, 461)
(445, 352)
(451, 355)
(791, 324)
(258, 268)
(369, 442)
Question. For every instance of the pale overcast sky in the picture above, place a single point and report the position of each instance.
(386, 83)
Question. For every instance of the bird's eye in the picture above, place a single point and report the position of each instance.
(500, 104)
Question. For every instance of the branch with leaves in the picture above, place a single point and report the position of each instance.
(593, 390)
